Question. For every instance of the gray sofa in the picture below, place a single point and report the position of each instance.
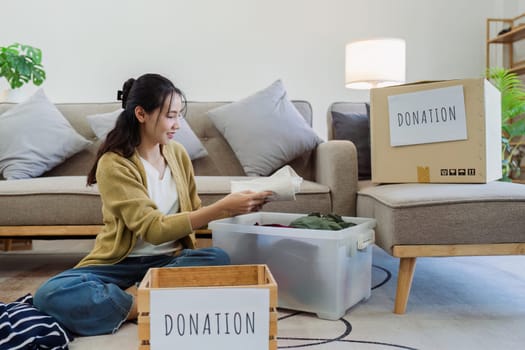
(58, 204)
(417, 220)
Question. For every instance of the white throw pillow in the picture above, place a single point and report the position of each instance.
(265, 130)
(35, 137)
(102, 123)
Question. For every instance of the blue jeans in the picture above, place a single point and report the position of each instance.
(91, 300)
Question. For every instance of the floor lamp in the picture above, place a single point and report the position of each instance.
(375, 63)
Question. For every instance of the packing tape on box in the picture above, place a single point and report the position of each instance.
(423, 174)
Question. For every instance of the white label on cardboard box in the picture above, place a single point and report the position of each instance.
(428, 116)
(209, 318)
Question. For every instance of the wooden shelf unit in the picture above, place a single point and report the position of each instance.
(508, 39)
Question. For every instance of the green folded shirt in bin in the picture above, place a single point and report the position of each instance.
(318, 221)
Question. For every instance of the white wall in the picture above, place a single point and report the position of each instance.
(514, 8)
(227, 49)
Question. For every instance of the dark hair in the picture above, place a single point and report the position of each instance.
(150, 92)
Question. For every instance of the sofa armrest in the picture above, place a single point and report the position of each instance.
(336, 167)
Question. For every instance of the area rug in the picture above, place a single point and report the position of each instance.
(455, 303)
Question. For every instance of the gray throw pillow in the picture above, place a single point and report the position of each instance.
(355, 127)
(35, 137)
(265, 130)
(102, 123)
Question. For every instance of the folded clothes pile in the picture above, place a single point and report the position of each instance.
(23, 326)
(316, 221)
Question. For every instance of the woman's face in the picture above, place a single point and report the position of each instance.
(160, 125)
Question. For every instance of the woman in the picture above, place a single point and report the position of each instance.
(150, 209)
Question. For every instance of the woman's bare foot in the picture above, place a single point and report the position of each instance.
(133, 313)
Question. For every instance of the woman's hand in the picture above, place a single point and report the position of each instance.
(244, 202)
(231, 205)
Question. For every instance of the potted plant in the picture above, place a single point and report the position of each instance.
(512, 126)
(20, 64)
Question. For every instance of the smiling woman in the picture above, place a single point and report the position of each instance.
(150, 210)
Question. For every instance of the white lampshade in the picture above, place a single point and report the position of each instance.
(375, 63)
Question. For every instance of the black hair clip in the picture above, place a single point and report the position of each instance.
(119, 95)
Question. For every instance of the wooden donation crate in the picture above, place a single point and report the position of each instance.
(181, 306)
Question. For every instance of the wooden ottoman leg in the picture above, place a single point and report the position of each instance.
(404, 282)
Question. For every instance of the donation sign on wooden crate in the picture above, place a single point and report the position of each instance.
(219, 307)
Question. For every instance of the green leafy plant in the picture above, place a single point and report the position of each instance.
(512, 126)
(20, 64)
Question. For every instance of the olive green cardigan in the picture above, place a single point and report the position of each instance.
(128, 212)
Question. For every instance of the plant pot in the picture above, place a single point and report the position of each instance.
(16, 95)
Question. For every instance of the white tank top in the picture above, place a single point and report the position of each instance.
(163, 191)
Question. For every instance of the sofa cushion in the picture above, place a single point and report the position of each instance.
(409, 214)
(54, 200)
(351, 121)
(355, 127)
(264, 130)
(103, 123)
(35, 137)
(66, 200)
(221, 159)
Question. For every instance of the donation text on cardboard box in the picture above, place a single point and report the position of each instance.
(435, 115)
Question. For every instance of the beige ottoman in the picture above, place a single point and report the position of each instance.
(431, 220)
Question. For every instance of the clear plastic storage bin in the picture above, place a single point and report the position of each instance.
(320, 271)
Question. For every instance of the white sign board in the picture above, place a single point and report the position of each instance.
(209, 318)
(429, 116)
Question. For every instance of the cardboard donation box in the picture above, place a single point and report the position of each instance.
(209, 307)
(441, 132)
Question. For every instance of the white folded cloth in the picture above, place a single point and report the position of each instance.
(284, 184)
